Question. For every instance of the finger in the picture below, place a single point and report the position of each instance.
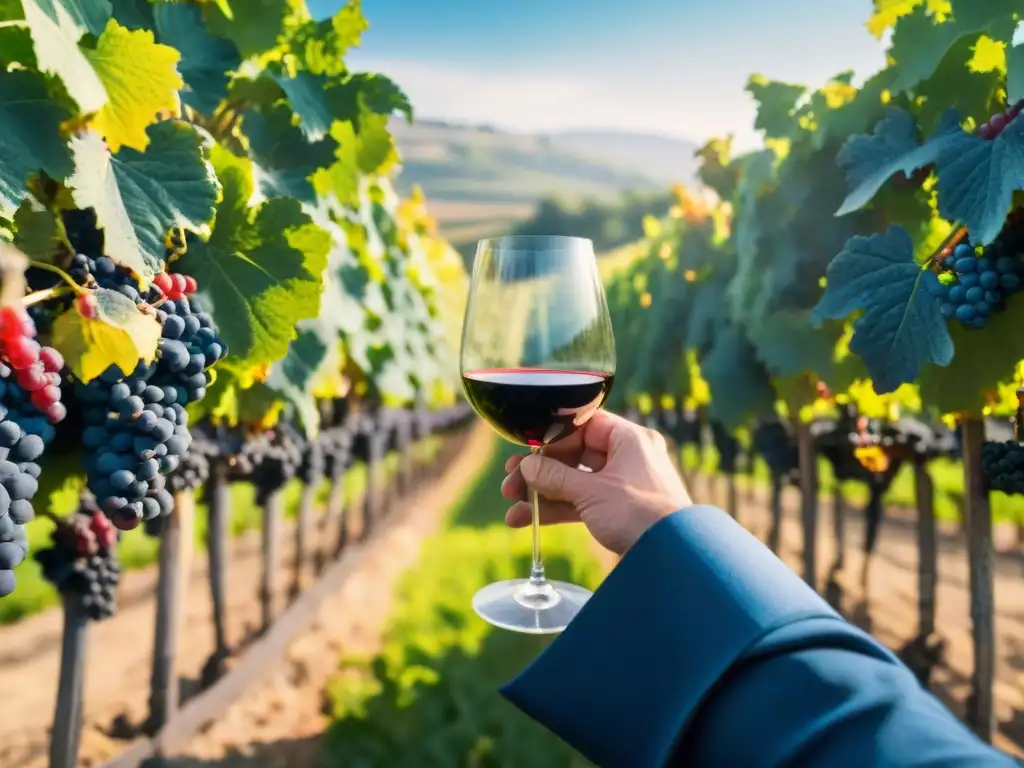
(513, 461)
(513, 487)
(520, 515)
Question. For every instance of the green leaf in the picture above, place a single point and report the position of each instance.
(977, 179)
(738, 382)
(56, 27)
(871, 160)
(306, 93)
(789, 344)
(888, 12)
(16, 48)
(120, 335)
(367, 154)
(919, 44)
(321, 46)
(39, 231)
(902, 328)
(776, 105)
(140, 196)
(261, 270)
(1015, 73)
(367, 94)
(982, 359)
(32, 139)
(294, 376)
(285, 157)
(206, 60)
(141, 81)
(254, 29)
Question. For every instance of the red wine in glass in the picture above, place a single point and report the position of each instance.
(537, 406)
(537, 362)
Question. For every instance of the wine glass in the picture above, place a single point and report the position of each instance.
(538, 360)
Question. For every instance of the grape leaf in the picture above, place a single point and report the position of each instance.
(981, 360)
(261, 269)
(901, 328)
(789, 344)
(56, 31)
(32, 139)
(977, 179)
(141, 81)
(373, 151)
(254, 30)
(140, 196)
(16, 48)
(776, 105)
(206, 60)
(285, 158)
(367, 94)
(888, 12)
(39, 231)
(1015, 73)
(919, 44)
(320, 46)
(120, 335)
(739, 383)
(295, 375)
(306, 93)
(975, 93)
(89, 15)
(870, 160)
(133, 14)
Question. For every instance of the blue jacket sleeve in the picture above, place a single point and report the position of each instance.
(701, 649)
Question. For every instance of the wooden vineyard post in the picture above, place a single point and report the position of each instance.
(751, 469)
(834, 584)
(67, 718)
(176, 544)
(927, 549)
(981, 566)
(307, 506)
(405, 465)
(270, 544)
(218, 494)
(732, 505)
(808, 503)
(775, 528)
(371, 500)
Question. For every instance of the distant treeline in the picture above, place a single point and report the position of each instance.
(607, 224)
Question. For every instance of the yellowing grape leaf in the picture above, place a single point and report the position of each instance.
(120, 335)
(141, 79)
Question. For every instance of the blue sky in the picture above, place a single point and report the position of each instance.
(673, 67)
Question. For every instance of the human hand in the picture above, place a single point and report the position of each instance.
(631, 486)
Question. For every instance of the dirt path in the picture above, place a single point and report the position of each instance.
(117, 675)
(890, 611)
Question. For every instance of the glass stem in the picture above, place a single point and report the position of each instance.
(537, 569)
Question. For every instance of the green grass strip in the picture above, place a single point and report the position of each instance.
(430, 697)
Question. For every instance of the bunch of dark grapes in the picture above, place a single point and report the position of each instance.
(136, 425)
(336, 446)
(777, 447)
(135, 434)
(727, 447)
(82, 560)
(274, 458)
(998, 122)
(980, 285)
(1002, 464)
(194, 468)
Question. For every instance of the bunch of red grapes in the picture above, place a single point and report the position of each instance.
(175, 286)
(36, 368)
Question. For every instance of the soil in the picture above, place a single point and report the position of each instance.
(279, 720)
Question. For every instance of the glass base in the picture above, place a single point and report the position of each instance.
(521, 605)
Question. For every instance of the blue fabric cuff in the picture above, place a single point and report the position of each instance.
(680, 608)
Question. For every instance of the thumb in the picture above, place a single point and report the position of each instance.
(553, 479)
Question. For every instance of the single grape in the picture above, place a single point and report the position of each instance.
(957, 294)
(965, 312)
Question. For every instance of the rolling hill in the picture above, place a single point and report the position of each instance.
(479, 179)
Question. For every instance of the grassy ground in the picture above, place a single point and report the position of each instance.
(947, 475)
(137, 550)
(430, 697)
